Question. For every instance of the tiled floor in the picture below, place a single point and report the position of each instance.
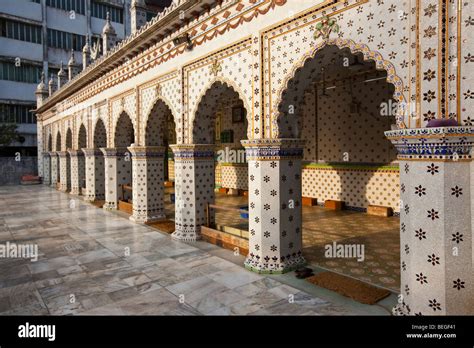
(97, 262)
(380, 237)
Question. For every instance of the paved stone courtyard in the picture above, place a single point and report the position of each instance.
(96, 262)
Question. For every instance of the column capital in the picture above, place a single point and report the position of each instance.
(196, 151)
(92, 152)
(433, 144)
(63, 153)
(46, 154)
(143, 152)
(53, 153)
(273, 149)
(75, 153)
(114, 151)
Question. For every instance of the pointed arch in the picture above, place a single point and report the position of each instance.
(82, 137)
(355, 48)
(203, 125)
(124, 134)
(49, 145)
(167, 102)
(229, 84)
(68, 139)
(159, 122)
(58, 142)
(100, 134)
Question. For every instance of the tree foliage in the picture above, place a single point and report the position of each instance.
(8, 133)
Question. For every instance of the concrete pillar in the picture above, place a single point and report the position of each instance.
(148, 180)
(194, 189)
(77, 171)
(118, 171)
(275, 217)
(95, 175)
(437, 184)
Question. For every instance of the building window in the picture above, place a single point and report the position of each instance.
(20, 31)
(23, 73)
(67, 41)
(77, 6)
(37, 1)
(16, 113)
(99, 10)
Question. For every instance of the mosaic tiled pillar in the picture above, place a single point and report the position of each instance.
(77, 171)
(54, 168)
(148, 183)
(275, 216)
(95, 171)
(46, 168)
(436, 182)
(64, 171)
(194, 189)
(118, 171)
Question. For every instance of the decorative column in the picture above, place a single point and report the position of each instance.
(436, 220)
(148, 183)
(46, 168)
(77, 171)
(54, 168)
(194, 189)
(118, 171)
(95, 171)
(64, 173)
(275, 216)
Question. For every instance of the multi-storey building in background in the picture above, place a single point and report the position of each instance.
(37, 36)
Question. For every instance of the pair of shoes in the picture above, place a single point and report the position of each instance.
(304, 272)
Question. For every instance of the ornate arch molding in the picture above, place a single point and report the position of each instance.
(167, 102)
(230, 84)
(114, 126)
(355, 48)
(154, 103)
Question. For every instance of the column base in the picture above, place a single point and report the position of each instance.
(75, 191)
(284, 265)
(147, 219)
(189, 236)
(110, 206)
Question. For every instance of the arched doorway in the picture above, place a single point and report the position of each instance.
(58, 142)
(55, 161)
(151, 167)
(220, 122)
(65, 164)
(47, 160)
(340, 105)
(94, 165)
(78, 168)
(118, 166)
(50, 143)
